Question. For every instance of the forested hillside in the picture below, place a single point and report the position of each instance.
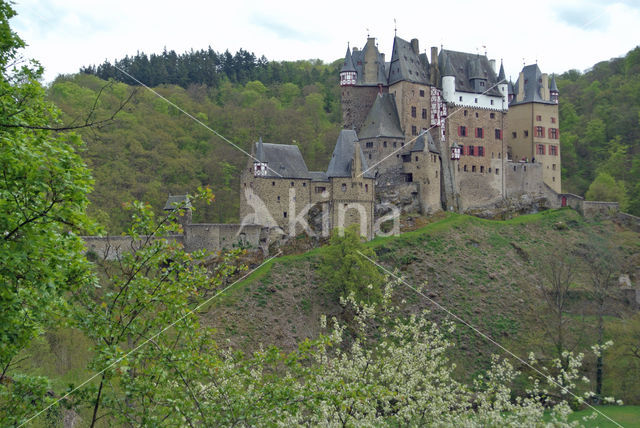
(152, 149)
(600, 130)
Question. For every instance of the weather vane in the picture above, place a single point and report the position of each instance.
(395, 27)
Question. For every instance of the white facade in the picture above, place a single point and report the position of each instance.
(470, 99)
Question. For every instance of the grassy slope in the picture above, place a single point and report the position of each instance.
(481, 270)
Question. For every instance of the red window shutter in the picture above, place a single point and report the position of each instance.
(544, 149)
(459, 131)
(543, 131)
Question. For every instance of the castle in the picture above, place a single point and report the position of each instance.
(441, 133)
(445, 133)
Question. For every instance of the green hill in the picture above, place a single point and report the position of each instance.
(484, 271)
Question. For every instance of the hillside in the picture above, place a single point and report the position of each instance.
(483, 271)
(600, 128)
(151, 149)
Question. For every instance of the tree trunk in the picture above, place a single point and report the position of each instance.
(97, 405)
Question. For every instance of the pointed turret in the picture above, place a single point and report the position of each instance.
(553, 90)
(448, 81)
(501, 76)
(260, 150)
(448, 68)
(348, 74)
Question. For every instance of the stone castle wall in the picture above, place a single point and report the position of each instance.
(413, 101)
(211, 237)
(356, 103)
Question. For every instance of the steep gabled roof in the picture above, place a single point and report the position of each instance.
(283, 160)
(348, 62)
(383, 119)
(419, 144)
(532, 86)
(406, 64)
(357, 57)
(341, 161)
(464, 67)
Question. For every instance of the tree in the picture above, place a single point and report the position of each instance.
(603, 265)
(346, 271)
(606, 188)
(148, 344)
(557, 270)
(43, 196)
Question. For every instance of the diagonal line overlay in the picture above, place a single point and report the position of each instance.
(483, 335)
(195, 119)
(189, 312)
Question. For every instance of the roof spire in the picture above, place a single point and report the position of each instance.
(554, 86)
(260, 151)
(395, 28)
(501, 77)
(348, 61)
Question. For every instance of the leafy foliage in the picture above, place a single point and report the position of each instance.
(43, 196)
(346, 271)
(152, 150)
(600, 132)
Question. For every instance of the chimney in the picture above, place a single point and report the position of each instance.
(520, 94)
(544, 91)
(435, 69)
(415, 46)
(383, 58)
(354, 49)
(493, 65)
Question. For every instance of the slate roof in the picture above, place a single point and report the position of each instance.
(348, 62)
(175, 201)
(501, 76)
(532, 86)
(383, 119)
(418, 146)
(553, 87)
(283, 160)
(464, 67)
(342, 158)
(406, 64)
(318, 176)
(357, 58)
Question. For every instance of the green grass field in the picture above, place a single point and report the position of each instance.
(627, 416)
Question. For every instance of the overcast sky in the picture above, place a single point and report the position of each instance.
(560, 35)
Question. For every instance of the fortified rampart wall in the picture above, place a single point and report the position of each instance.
(211, 237)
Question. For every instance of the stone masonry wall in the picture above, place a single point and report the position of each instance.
(356, 103)
(413, 101)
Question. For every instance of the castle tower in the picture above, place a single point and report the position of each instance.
(503, 87)
(348, 74)
(352, 185)
(533, 127)
(448, 82)
(362, 78)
